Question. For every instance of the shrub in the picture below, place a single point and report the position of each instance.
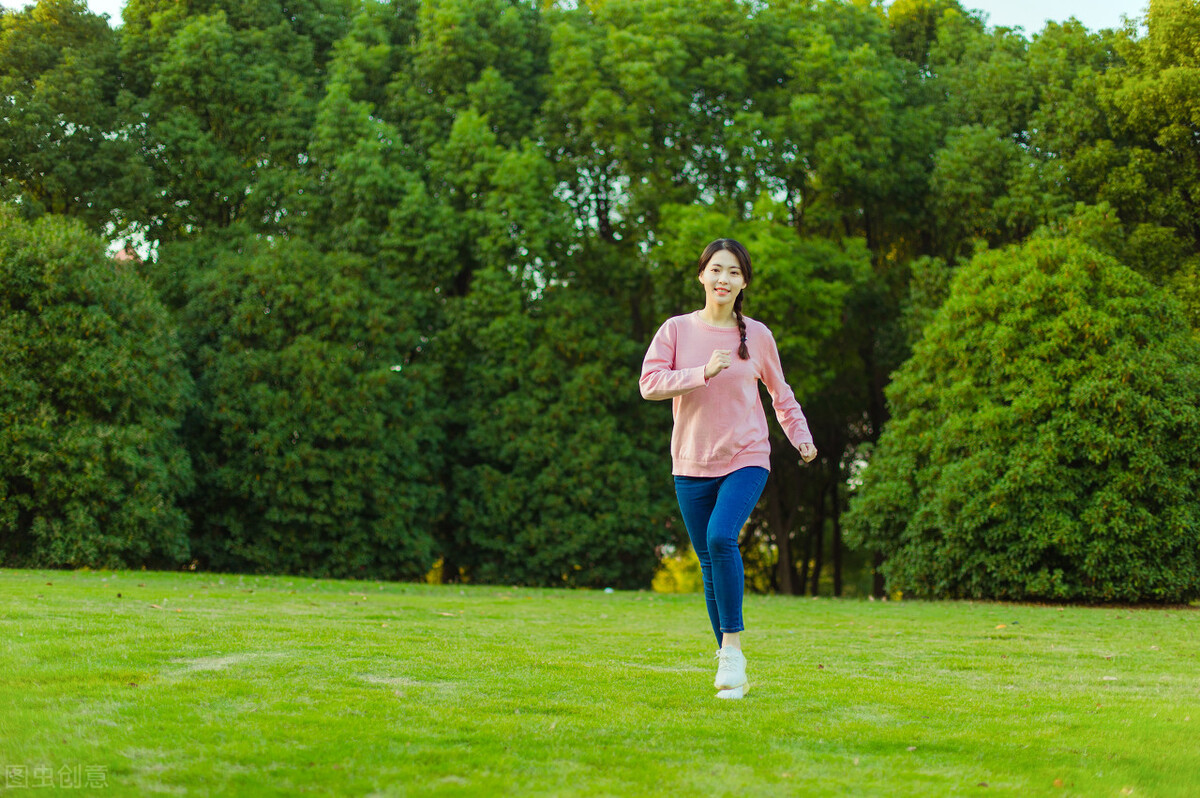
(92, 394)
(312, 437)
(1044, 440)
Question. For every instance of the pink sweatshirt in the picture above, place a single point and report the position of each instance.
(720, 425)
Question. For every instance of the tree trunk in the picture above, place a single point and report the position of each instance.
(802, 576)
(818, 538)
(836, 509)
(783, 544)
(877, 587)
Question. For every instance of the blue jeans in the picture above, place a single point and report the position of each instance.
(714, 511)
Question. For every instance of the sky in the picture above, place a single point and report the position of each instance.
(1028, 14)
(1032, 15)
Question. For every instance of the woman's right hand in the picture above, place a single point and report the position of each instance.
(721, 359)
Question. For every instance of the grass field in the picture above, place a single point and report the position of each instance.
(203, 684)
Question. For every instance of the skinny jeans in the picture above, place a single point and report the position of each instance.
(714, 510)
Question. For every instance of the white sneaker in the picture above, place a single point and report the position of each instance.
(736, 692)
(731, 672)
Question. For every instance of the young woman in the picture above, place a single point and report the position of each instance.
(719, 447)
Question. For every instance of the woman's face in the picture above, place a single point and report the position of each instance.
(722, 278)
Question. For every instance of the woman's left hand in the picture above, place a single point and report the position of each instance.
(808, 452)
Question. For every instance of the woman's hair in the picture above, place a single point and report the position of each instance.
(743, 259)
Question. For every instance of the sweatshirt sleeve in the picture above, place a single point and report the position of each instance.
(659, 378)
(787, 409)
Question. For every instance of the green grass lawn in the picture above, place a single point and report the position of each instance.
(199, 684)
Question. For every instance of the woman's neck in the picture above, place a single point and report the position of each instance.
(718, 315)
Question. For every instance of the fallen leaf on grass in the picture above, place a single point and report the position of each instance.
(982, 784)
(1058, 783)
(1002, 626)
(912, 748)
(1108, 678)
(155, 606)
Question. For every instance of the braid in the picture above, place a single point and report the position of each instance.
(743, 351)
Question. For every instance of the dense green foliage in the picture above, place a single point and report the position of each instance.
(1045, 438)
(555, 481)
(92, 395)
(310, 439)
(59, 83)
(505, 198)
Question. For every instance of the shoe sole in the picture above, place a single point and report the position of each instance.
(734, 692)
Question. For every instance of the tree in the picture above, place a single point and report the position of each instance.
(92, 396)
(1153, 102)
(60, 151)
(987, 188)
(1044, 439)
(914, 26)
(556, 481)
(311, 437)
(549, 479)
(502, 172)
(487, 55)
(224, 95)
